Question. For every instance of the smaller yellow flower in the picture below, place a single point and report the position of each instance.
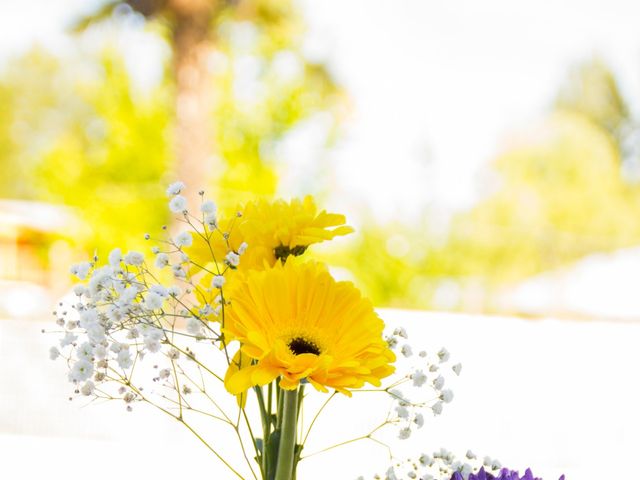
(272, 231)
(295, 322)
(285, 229)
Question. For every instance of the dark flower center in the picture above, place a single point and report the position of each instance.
(299, 345)
(282, 252)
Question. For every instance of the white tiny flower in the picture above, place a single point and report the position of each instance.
(194, 326)
(404, 433)
(390, 474)
(164, 373)
(487, 461)
(427, 476)
(54, 353)
(401, 332)
(116, 347)
(438, 383)
(233, 259)
(419, 378)
(152, 344)
(173, 354)
(211, 220)
(242, 248)
(208, 207)
(406, 350)
(100, 352)
(79, 290)
(419, 420)
(422, 354)
(175, 188)
(133, 333)
(426, 460)
(115, 257)
(153, 301)
(178, 204)
(160, 290)
(124, 359)
(68, 339)
(402, 412)
(134, 258)
(81, 270)
(436, 408)
(446, 455)
(217, 281)
(96, 333)
(411, 474)
(178, 271)
(174, 290)
(85, 351)
(127, 296)
(496, 465)
(88, 317)
(446, 396)
(184, 239)
(457, 368)
(100, 280)
(443, 355)
(151, 331)
(162, 260)
(88, 388)
(129, 397)
(81, 371)
(470, 455)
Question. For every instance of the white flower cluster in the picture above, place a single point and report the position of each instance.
(440, 465)
(127, 309)
(426, 374)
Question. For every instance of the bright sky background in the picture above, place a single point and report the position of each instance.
(437, 85)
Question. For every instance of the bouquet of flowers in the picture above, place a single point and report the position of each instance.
(231, 307)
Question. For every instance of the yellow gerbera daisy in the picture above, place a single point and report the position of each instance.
(296, 322)
(289, 228)
(272, 231)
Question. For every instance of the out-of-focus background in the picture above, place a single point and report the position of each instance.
(487, 152)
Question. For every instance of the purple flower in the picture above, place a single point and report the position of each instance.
(505, 474)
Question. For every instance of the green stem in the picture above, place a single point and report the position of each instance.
(286, 452)
(265, 415)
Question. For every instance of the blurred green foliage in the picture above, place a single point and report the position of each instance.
(556, 193)
(75, 130)
(78, 137)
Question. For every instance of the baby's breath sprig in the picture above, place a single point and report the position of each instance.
(439, 465)
(136, 321)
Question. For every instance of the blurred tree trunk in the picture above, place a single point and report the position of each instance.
(192, 47)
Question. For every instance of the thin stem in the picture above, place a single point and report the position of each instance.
(368, 436)
(304, 441)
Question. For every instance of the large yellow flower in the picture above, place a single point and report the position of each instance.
(296, 322)
(272, 231)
